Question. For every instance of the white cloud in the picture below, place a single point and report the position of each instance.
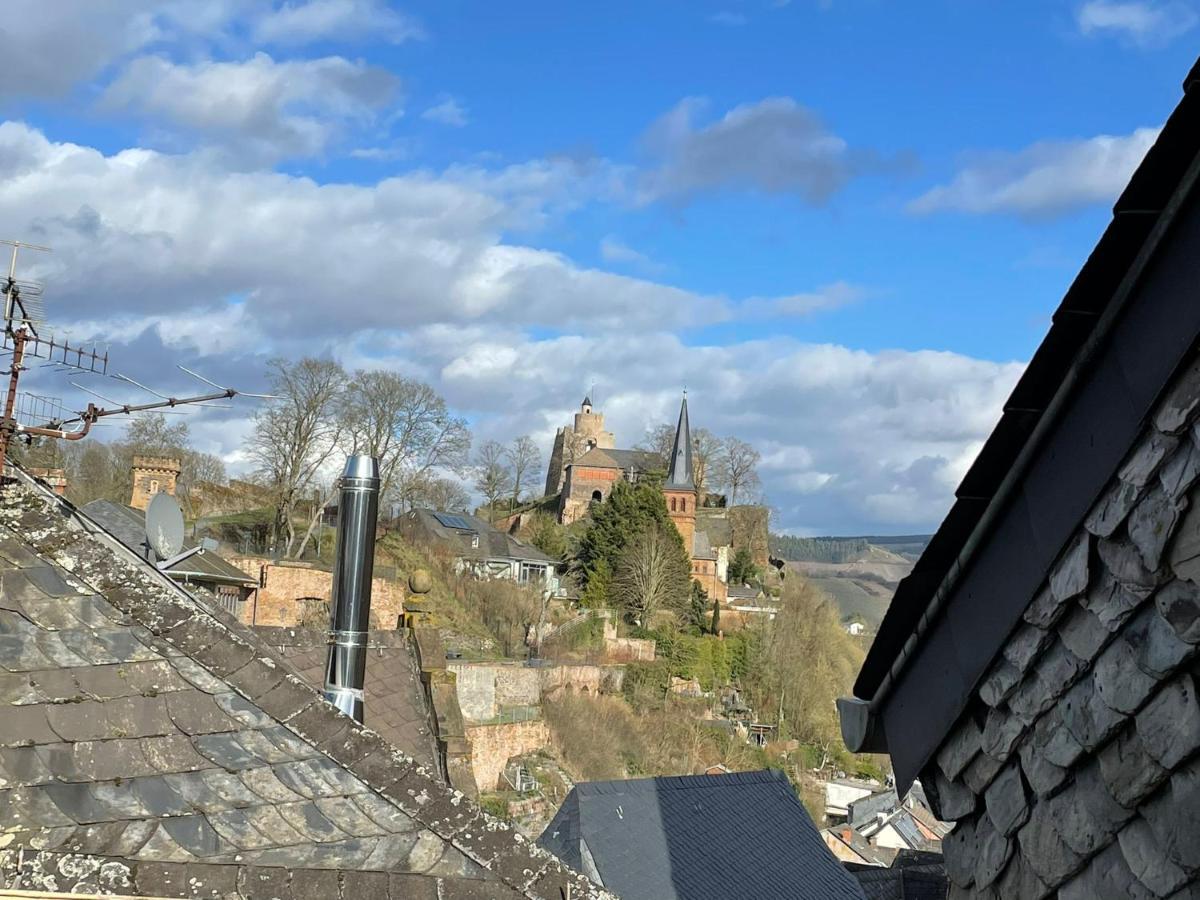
(447, 112)
(613, 250)
(775, 146)
(176, 259)
(828, 297)
(1145, 23)
(851, 441)
(262, 107)
(1045, 179)
(334, 20)
(49, 47)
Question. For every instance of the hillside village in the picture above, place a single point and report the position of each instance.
(630, 622)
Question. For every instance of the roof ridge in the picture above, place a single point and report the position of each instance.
(235, 656)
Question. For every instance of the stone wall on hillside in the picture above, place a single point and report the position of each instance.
(492, 746)
(285, 586)
(487, 689)
(1075, 769)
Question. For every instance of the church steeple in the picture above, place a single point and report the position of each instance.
(679, 471)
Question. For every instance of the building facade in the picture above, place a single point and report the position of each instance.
(153, 475)
(573, 441)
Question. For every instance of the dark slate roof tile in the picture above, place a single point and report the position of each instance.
(197, 713)
(243, 711)
(78, 803)
(412, 887)
(256, 678)
(229, 787)
(159, 798)
(195, 835)
(308, 819)
(286, 699)
(108, 760)
(84, 721)
(315, 886)
(162, 847)
(31, 807)
(365, 885)
(63, 655)
(234, 826)
(18, 689)
(288, 743)
(208, 880)
(18, 655)
(259, 883)
(139, 717)
(382, 813)
(225, 750)
(263, 782)
(225, 657)
(272, 825)
(173, 753)
(49, 581)
(21, 766)
(50, 613)
(345, 815)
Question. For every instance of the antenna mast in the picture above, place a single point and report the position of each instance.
(22, 314)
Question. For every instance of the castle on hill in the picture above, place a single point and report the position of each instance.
(585, 464)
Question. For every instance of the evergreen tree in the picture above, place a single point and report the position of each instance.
(716, 617)
(629, 512)
(742, 568)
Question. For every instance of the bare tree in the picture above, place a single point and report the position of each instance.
(523, 458)
(739, 468)
(659, 440)
(707, 450)
(653, 574)
(294, 436)
(492, 476)
(407, 426)
(441, 493)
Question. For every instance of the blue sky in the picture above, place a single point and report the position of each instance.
(842, 224)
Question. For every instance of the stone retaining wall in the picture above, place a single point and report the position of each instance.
(1074, 771)
(492, 746)
(283, 586)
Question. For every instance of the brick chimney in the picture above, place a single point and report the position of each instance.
(152, 475)
(55, 478)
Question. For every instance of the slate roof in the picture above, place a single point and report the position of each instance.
(679, 471)
(902, 882)
(701, 548)
(742, 835)
(493, 543)
(743, 592)
(626, 460)
(128, 525)
(152, 745)
(393, 697)
(1119, 335)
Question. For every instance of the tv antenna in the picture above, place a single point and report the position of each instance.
(23, 314)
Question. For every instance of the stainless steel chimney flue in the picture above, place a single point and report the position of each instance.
(354, 564)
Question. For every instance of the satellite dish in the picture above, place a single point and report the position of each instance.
(164, 526)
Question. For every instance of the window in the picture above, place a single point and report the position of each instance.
(597, 496)
(683, 504)
(531, 572)
(672, 504)
(153, 486)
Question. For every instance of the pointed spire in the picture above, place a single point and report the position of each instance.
(679, 472)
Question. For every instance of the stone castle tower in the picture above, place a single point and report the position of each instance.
(152, 475)
(572, 441)
(679, 488)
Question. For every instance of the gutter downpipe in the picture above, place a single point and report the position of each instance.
(861, 728)
(354, 564)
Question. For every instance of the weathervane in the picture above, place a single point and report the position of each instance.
(23, 313)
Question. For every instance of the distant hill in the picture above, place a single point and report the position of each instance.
(859, 573)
